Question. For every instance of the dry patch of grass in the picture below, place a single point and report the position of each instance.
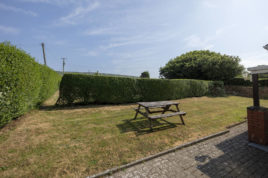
(83, 140)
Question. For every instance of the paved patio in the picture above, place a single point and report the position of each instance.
(225, 156)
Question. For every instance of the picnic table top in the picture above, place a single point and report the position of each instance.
(157, 104)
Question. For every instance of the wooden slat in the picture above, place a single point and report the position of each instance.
(167, 115)
(156, 111)
(157, 104)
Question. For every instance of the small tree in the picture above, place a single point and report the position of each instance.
(145, 74)
(205, 65)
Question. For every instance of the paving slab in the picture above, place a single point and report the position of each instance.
(228, 155)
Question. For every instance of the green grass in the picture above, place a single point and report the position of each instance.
(80, 141)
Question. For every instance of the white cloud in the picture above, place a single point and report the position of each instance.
(135, 62)
(226, 29)
(100, 31)
(219, 31)
(209, 47)
(78, 13)
(60, 42)
(86, 52)
(9, 30)
(208, 4)
(254, 58)
(195, 41)
(54, 2)
(145, 38)
(91, 53)
(42, 36)
(18, 10)
(117, 44)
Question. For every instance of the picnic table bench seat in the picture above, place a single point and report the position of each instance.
(167, 115)
(161, 115)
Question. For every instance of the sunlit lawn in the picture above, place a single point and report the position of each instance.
(81, 141)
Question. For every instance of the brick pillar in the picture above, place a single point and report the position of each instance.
(258, 125)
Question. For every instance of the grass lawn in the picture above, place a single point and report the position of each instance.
(80, 141)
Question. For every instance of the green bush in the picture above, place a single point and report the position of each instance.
(23, 82)
(145, 74)
(242, 82)
(263, 82)
(84, 89)
(238, 81)
(216, 88)
(202, 65)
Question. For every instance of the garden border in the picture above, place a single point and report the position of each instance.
(116, 169)
(234, 125)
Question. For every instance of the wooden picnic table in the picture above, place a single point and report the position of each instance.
(162, 106)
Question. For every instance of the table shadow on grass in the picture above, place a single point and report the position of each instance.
(141, 126)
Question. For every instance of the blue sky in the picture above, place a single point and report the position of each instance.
(131, 36)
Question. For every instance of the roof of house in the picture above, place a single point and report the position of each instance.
(260, 69)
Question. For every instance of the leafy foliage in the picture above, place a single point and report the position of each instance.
(238, 81)
(216, 88)
(243, 82)
(263, 83)
(23, 82)
(203, 65)
(84, 89)
(145, 74)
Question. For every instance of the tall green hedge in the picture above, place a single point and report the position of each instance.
(243, 82)
(84, 89)
(23, 82)
(238, 81)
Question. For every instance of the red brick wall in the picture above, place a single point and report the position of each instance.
(258, 125)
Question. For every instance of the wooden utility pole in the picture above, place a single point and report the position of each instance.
(44, 54)
(63, 64)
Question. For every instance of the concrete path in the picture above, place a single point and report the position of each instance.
(225, 156)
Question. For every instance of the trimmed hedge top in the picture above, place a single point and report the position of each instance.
(84, 89)
(243, 82)
(23, 82)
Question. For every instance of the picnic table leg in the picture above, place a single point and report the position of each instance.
(166, 108)
(182, 120)
(137, 111)
(180, 115)
(150, 120)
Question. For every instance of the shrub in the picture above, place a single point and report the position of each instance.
(263, 83)
(23, 82)
(202, 65)
(242, 82)
(84, 89)
(145, 74)
(96, 89)
(238, 81)
(216, 88)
